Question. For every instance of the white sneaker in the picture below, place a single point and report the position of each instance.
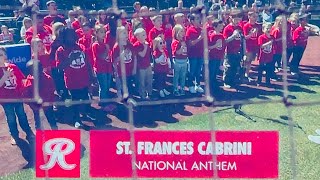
(315, 139)
(162, 94)
(77, 125)
(192, 89)
(167, 93)
(318, 131)
(199, 89)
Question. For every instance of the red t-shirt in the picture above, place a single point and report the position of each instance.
(49, 19)
(102, 62)
(192, 34)
(46, 87)
(147, 24)
(128, 58)
(210, 29)
(242, 23)
(300, 37)
(154, 33)
(265, 53)
(217, 53)
(175, 46)
(233, 47)
(252, 42)
(162, 66)
(45, 34)
(277, 45)
(80, 33)
(132, 38)
(46, 62)
(167, 28)
(75, 25)
(142, 62)
(87, 42)
(76, 74)
(13, 86)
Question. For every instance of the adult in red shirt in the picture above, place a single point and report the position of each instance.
(217, 46)
(232, 34)
(44, 33)
(46, 93)
(251, 31)
(194, 38)
(300, 40)
(265, 57)
(102, 62)
(78, 73)
(143, 51)
(53, 16)
(11, 85)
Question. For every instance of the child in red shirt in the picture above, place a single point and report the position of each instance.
(194, 38)
(78, 73)
(157, 29)
(102, 62)
(143, 51)
(43, 56)
(124, 63)
(161, 66)
(86, 40)
(251, 31)
(300, 40)
(217, 46)
(265, 57)
(46, 93)
(11, 87)
(232, 34)
(180, 54)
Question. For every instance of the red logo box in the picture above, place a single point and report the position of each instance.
(184, 154)
(58, 154)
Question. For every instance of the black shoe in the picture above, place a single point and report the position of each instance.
(30, 137)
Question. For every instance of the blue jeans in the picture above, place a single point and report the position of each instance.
(104, 80)
(195, 71)
(180, 71)
(16, 109)
(48, 111)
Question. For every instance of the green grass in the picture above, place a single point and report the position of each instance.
(268, 117)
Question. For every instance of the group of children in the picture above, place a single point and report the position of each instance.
(138, 55)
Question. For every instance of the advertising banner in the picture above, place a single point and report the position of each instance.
(184, 154)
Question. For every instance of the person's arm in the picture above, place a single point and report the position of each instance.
(6, 75)
(232, 37)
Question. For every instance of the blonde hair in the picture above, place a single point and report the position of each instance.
(155, 42)
(56, 27)
(138, 31)
(35, 42)
(176, 30)
(277, 21)
(265, 26)
(153, 18)
(119, 30)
